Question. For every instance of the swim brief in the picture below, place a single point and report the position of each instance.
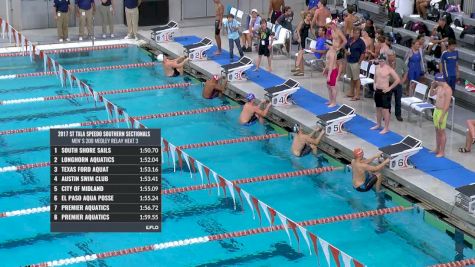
(382, 99)
(370, 181)
(252, 120)
(175, 73)
(436, 117)
(305, 150)
(216, 27)
(333, 77)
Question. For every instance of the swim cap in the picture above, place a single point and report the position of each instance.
(160, 58)
(358, 152)
(216, 77)
(250, 97)
(296, 128)
(439, 77)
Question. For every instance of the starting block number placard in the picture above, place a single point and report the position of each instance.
(164, 36)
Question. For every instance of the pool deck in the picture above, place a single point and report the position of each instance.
(433, 193)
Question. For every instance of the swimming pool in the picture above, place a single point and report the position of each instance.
(401, 239)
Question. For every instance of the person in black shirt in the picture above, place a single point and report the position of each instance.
(266, 36)
(442, 33)
(369, 28)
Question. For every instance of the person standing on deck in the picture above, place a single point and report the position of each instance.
(320, 16)
(85, 10)
(448, 64)
(383, 92)
(400, 67)
(356, 49)
(132, 17)
(107, 11)
(232, 27)
(276, 8)
(218, 23)
(61, 15)
(443, 94)
(365, 176)
(331, 71)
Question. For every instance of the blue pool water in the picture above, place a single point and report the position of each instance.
(401, 239)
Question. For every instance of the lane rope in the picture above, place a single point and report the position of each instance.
(217, 237)
(262, 178)
(109, 92)
(460, 263)
(69, 50)
(190, 146)
(112, 121)
(82, 70)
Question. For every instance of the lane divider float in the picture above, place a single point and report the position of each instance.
(69, 50)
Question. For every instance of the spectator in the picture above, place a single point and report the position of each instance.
(265, 45)
(398, 65)
(285, 20)
(448, 64)
(470, 137)
(421, 7)
(85, 10)
(369, 42)
(61, 15)
(302, 30)
(253, 27)
(381, 47)
(311, 7)
(349, 21)
(415, 63)
(321, 15)
(232, 27)
(442, 33)
(355, 53)
(443, 94)
(369, 28)
(107, 11)
(383, 94)
(132, 17)
(319, 51)
(275, 9)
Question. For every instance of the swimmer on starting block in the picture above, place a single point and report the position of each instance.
(172, 67)
(303, 143)
(365, 176)
(251, 111)
(214, 87)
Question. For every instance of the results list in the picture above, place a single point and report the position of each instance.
(105, 180)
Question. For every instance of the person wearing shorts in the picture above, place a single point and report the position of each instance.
(355, 53)
(383, 92)
(365, 176)
(266, 37)
(443, 94)
(448, 64)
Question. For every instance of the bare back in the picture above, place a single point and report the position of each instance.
(359, 169)
(298, 144)
(219, 11)
(277, 5)
(321, 15)
(349, 20)
(209, 88)
(248, 111)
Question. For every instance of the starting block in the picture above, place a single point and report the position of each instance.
(165, 33)
(400, 152)
(465, 199)
(235, 71)
(197, 51)
(280, 95)
(333, 121)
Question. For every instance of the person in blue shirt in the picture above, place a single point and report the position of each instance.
(61, 15)
(355, 53)
(319, 51)
(85, 10)
(311, 7)
(448, 64)
(132, 17)
(232, 26)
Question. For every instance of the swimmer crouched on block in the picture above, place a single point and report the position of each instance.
(214, 87)
(172, 67)
(365, 176)
(303, 143)
(251, 111)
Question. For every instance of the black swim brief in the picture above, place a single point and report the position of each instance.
(252, 120)
(175, 73)
(216, 27)
(382, 99)
(370, 181)
(307, 149)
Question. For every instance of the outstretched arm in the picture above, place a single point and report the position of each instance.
(378, 167)
(264, 112)
(372, 158)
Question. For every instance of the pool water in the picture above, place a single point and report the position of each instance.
(401, 239)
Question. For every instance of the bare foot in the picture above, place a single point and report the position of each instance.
(256, 69)
(327, 103)
(439, 155)
(384, 131)
(434, 151)
(270, 69)
(354, 99)
(331, 105)
(350, 96)
(376, 127)
(217, 53)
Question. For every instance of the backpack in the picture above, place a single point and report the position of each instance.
(433, 14)
(406, 41)
(408, 25)
(468, 30)
(395, 20)
(420, 27)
